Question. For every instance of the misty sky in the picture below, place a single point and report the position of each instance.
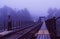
(36, 7)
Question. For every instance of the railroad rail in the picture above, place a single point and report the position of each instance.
(23, 32)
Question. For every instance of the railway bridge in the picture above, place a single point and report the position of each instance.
(40, 30)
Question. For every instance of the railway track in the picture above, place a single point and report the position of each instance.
(23, 32)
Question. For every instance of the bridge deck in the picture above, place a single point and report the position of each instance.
(5, 33)
(43, 33)
(19, 34)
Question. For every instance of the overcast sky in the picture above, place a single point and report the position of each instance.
(36, 7)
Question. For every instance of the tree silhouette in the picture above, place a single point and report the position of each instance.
(51, 12)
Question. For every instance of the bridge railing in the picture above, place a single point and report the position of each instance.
(30, 30)
(52, 25)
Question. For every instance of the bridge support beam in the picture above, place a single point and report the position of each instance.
(51, 25)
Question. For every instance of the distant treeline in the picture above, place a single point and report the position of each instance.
(53, 12)
(21, 17)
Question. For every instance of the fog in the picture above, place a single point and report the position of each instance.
(36, 7)
(23, 12)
